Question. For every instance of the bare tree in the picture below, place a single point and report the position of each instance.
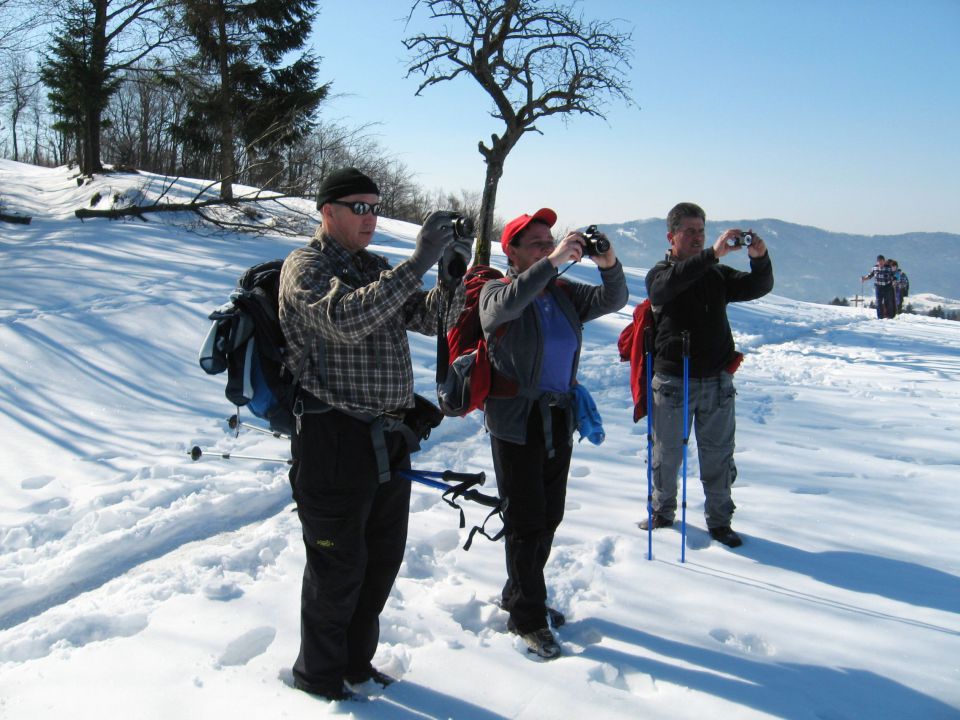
(20, 89)
(18, 21)
(532, 58)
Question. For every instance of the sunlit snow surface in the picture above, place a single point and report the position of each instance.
(137, 583)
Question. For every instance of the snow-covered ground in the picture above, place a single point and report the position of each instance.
(137, 583)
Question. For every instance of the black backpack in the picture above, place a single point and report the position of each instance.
(245, 339)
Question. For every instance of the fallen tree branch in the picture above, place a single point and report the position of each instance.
(138, 211)
(19, 219)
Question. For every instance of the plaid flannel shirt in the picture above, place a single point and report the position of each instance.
(882, 275)
(354, 310)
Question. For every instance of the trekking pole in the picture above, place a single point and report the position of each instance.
(450, 476)
(686, 440)
(426, 477)
(235, 423)
(648, 344)
(196, 453)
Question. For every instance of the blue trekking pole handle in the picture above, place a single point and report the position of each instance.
(686, 441)
(421, 476)
(648, 344)
(414, 476)
(450, 476)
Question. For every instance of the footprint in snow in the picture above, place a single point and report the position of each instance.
(801, 446)
(625, 678)
(748, 643)
(810, 491)
(763, 410)
(76, 632)
(697, 538)
(247, 646)
(36, 482)
(579, 471)
(222, 589)
(580, 634)
(606, 549)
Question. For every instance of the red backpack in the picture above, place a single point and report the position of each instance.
(465, 377)
(631, 347)
(465, 384)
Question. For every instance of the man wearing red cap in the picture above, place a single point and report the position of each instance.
(531, 425)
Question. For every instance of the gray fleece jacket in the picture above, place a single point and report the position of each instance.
(517, 354)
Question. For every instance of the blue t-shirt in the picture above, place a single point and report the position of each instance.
(559, 346)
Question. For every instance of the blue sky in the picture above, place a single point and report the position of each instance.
(842, 114)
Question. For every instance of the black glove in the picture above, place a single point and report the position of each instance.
(454, 261)
(436, 233)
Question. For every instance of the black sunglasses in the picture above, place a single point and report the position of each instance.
(358, 207)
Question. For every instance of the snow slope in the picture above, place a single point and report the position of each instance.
(136, 583)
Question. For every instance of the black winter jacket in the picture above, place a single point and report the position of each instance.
(692, 295)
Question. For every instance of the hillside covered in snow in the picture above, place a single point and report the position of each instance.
(137, 583)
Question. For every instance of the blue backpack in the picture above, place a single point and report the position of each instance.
(246, 341)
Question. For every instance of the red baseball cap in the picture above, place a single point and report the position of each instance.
(519, 224)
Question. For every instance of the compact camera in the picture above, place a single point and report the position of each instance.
(463, 226)
(456, 265)
(740, 240)
(595, 242)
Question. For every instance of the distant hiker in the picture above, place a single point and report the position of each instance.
(531, 425)
(689, 291)
(883, 287)
(901, 285)
(345, 313)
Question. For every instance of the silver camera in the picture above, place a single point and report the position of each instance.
(741, 240)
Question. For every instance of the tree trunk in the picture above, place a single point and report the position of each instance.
(227, 169)
(488, 204)
(13, 131)
(94, 97)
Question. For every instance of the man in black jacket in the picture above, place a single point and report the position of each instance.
(689, 291)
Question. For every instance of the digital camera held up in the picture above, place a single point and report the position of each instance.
(595, 242)
(463, 226)
(740, 240)
(456, 256)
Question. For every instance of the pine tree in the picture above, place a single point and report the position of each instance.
(238, 88)
(85, 61)
(79, 91)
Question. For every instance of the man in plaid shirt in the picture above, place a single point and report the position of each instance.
(345, 314)
(882, 276)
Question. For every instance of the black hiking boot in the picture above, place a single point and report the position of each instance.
(542, 643)
(370, 674)
(330, 693)
(659, 521)
(556, 617)
(726, 536)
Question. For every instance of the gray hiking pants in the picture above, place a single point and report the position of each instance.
(712, 417)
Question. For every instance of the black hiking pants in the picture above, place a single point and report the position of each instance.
(355, 531)
(535, 486)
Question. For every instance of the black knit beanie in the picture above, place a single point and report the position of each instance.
(343, 182)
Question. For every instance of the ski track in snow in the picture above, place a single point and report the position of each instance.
(97, 552)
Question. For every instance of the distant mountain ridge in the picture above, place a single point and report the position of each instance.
(810, 263)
